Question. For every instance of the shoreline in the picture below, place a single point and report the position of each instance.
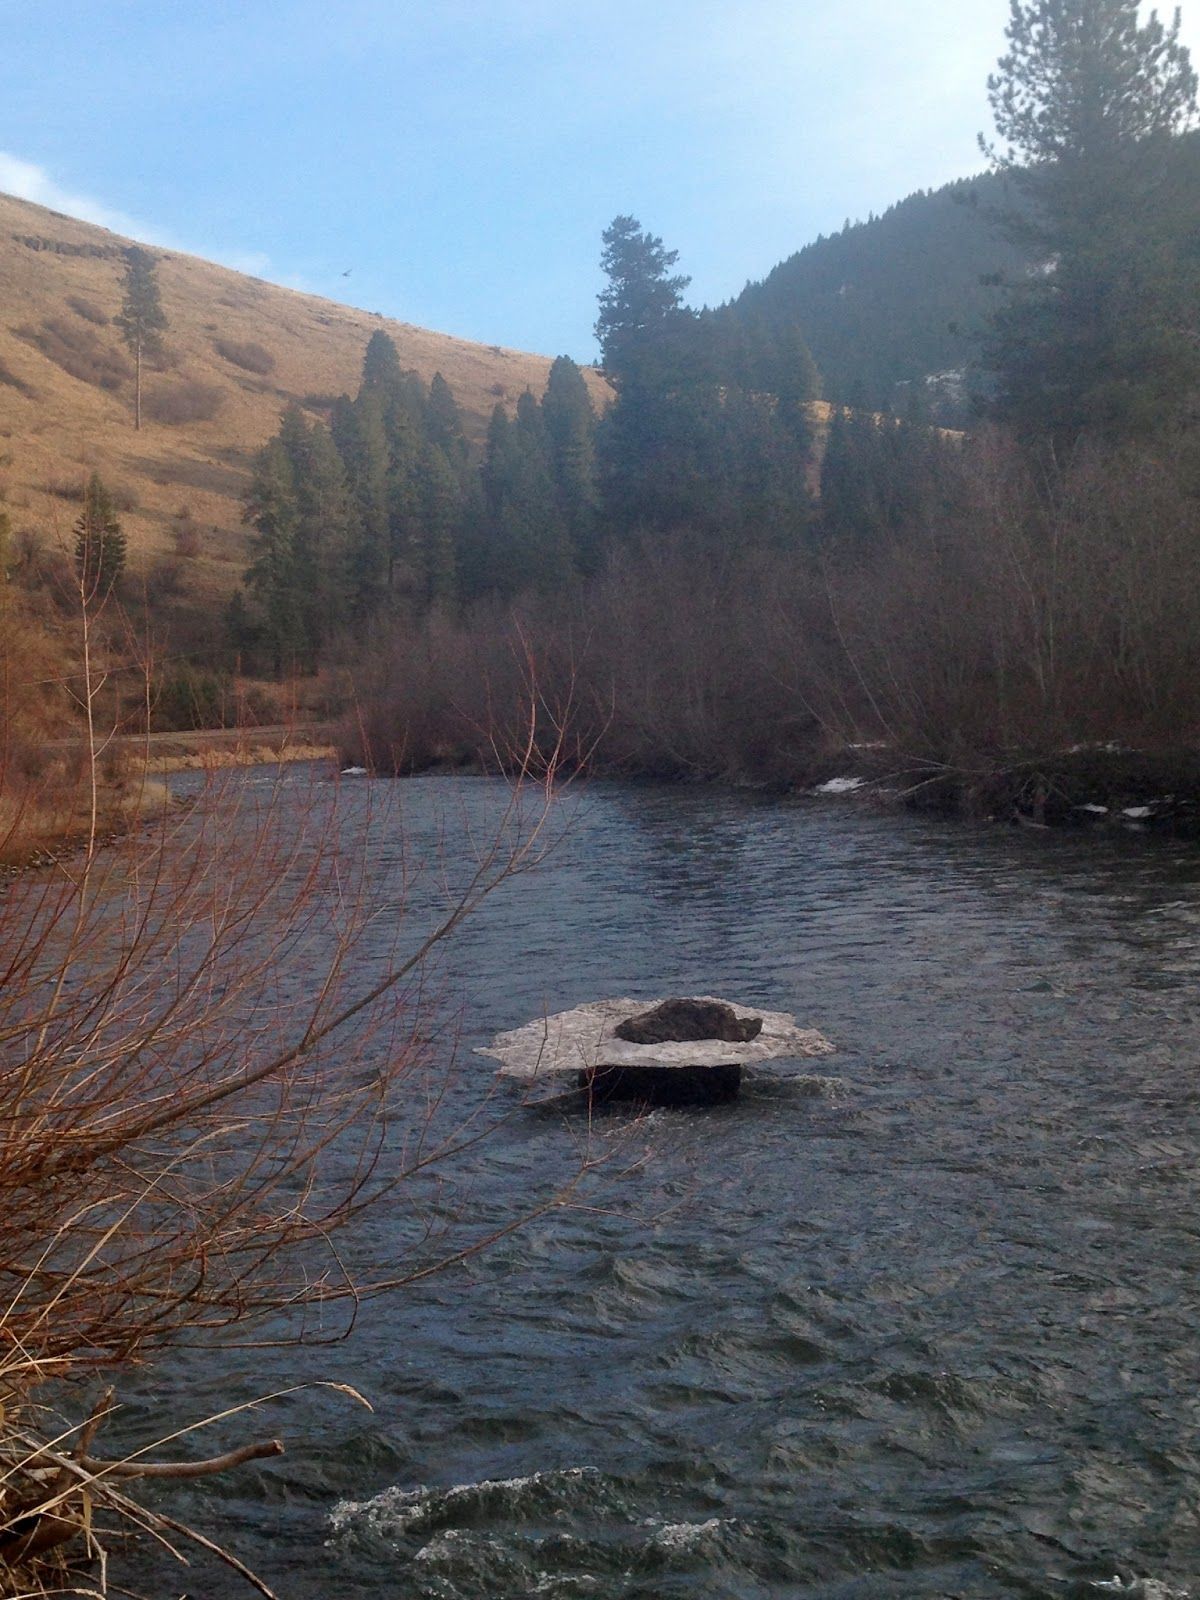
(1091, 788)
(57, 831)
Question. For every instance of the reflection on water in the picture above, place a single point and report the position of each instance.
(927, 1332)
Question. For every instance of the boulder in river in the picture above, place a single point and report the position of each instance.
(689, 1020)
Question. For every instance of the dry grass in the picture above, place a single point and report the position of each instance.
(57, 427)
(242, 755)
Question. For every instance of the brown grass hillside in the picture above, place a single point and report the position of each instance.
(238, 350)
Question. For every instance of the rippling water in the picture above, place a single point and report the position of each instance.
(927, 1328)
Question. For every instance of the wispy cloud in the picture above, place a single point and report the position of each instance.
(27, 181)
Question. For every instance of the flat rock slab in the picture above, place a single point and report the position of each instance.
(586, 1038)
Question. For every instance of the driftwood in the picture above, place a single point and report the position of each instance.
(50, 1518)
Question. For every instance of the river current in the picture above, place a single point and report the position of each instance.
(918, 1319)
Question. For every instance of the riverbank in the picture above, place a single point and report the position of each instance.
(234, 747)
(49, 817)
(54, 819)
(1088, 787)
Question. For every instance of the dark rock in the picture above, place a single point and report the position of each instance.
(663, 1086)
(686, 1021)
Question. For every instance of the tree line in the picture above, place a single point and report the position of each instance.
(978, 605)
(386, 511)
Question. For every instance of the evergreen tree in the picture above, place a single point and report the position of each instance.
(1085, 80)
(141, 319)
(1101, 335)
(323, 532)
(640, 326)
(529, 542)
(361, 439)
(99, 542)
(881, 479)
(242, 632)
(445, 423)
(406, 433)
(569, 419)
(271, 511)
(381, 364)
(441, 520)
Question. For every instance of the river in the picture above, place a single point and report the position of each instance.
(922, 1326)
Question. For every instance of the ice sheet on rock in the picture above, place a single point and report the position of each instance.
(578, 1040)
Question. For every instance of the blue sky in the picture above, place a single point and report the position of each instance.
(461, 157)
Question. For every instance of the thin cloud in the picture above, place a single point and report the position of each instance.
(27, 181)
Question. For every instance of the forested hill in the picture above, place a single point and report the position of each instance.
(895, 299)
(236, 352)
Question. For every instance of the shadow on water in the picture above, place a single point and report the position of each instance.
(920, 1324)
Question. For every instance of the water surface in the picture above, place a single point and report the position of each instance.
(928, 1329)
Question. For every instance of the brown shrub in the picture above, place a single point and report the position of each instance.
(178, 403)
(1028, 611)
(89, 311)
(186, 534)
(249, 356)
(79, 352)
(123, 497)
(11, 381)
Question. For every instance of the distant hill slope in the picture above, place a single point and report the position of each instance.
(893, 300)
(238, 350)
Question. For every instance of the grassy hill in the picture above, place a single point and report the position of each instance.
(238, 350)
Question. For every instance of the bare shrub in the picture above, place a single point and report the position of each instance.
(123, 496)
(80, 352)
(88, 310)
(176, 404)
(249, 356)
(164, 580)
(180, 1136)
(185, 532)
(11, 381)
(1019, 609)
(1053, 604)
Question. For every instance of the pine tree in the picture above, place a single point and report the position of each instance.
(641, 319)
(445, 423)
(141, 319)
(381, 364)
(1101, 335)
(548, 554)
(1084, 80)
(359, 433)
(569, 419)
(271, 510)
(99, 542)
(441, 520)
(324, 532)
(406, 433)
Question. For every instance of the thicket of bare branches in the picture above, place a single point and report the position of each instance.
(1023, 609)
(202, 1080)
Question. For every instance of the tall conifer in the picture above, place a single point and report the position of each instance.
(1101, 337)
(141, 319)
(100, 544)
